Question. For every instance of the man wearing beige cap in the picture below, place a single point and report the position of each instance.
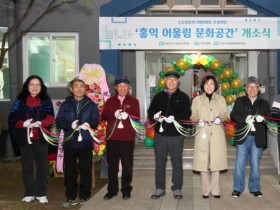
(169, 105)
(249, 110)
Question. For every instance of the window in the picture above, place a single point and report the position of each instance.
(231, 2)
(4, 72)
(52, 56)
(210, 2)
(183, 2)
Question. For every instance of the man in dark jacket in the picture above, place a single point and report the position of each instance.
(167, 106)
(120, 137)
(249, 110)
(76, 114)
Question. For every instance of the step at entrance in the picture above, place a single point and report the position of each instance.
(144, 160)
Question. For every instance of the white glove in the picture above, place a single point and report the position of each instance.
(157, 115)
(27, 123)
(75, 125)
(201, 123)
(217, 121)
(118, 114)
(85, 126)
(253, 127)
(124, 115)
(36, 124)
(259, 118)
(169, 119)
(249, 118)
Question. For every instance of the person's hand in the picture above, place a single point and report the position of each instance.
(75, 125)
(36, 124)
(27, 123)
(249, 118)
(259, 118)
(85, 126)
(201, 123)
(124, 115)
(118, 114)
(169, 119)
(217, 121)
(157, 115)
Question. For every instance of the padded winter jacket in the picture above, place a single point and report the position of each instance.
(85, 111)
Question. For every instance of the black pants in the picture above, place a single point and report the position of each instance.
(38, 153)
(116, 151)
(78, 160)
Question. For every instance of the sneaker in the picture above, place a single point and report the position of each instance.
(257, 194)
(67, 204)
(83, 201)
(42, 199)
(158, 193)
(235, 194)
(177, 194)
(28, 199)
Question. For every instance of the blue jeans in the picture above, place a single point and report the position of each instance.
(244, 152)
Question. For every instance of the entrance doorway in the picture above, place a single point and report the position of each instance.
(156, 61)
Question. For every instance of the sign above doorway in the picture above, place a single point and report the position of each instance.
(189, 33)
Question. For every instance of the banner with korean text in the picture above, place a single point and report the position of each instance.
(189, 33)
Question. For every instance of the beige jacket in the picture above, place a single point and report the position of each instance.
(214, 156)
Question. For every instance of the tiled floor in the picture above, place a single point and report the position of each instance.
(144, 186)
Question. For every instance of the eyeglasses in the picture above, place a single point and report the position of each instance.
(34, 85)
(252, 87)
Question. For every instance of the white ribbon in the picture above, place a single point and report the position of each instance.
(120, 125)
(29, 135)
(80, 136)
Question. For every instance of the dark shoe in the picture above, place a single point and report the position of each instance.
(205, 196)
(235, 194)
(217, 196)
(158, 193)
(177, 194)
(110, 195)
(67, 204)
(83, 201)
(126, 196)
(257, 194)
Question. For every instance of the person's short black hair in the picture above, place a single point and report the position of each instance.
(71, 83)
(206, 79)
